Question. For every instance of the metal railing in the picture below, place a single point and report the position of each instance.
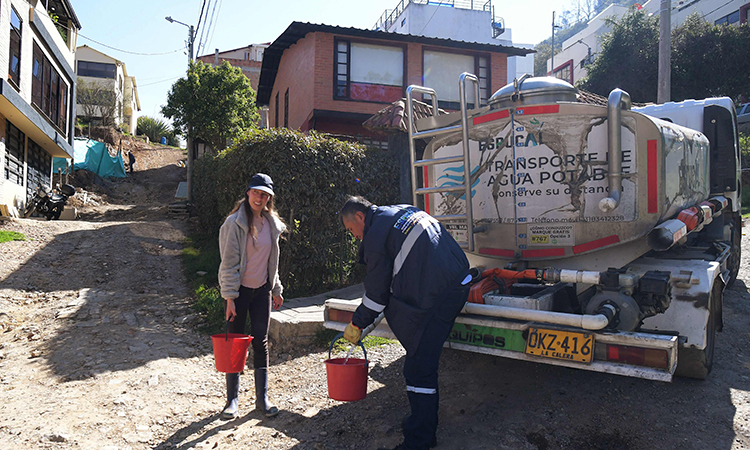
(415, 134)
(390, 16)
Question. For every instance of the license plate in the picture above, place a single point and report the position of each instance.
(567, 345)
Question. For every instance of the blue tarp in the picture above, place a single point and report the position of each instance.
(94, 157)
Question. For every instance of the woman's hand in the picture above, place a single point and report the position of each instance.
(278, 300)
(231, 311)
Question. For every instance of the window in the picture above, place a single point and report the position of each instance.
(372, 142)
(442, 71)
(368, 72)
(49, 91)
(260, 55)
(96, 70)
(565, 72)
(14, 69)
(286, 108)
(276, 111)
(729, 18)
(40, 168)
(14, 153)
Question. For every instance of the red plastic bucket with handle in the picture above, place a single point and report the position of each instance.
(347, 379)
(230, 351)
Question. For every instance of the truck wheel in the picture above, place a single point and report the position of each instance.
(697, 363)
(734, 260)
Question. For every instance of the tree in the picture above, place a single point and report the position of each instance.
(98, 103)
(628, 58)
(710, 60)
(214, 104)
(707, 60)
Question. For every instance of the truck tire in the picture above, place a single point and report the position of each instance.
(734, 260)
(697, 363)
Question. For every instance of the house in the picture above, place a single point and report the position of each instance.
(106, 94)
(36, 111)
(248, 59)
(459, 21)
(331, 79)
(580, 50)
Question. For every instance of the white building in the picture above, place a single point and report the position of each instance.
(95, 68)
(36, 111)
(460, 20)
(582, 48)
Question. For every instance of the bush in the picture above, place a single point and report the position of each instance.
(313, 175)
(155, 129)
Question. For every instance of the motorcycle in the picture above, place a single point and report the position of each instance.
(49, 203)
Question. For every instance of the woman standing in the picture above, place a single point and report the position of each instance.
(249, 280)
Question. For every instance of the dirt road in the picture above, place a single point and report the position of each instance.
(99, 350)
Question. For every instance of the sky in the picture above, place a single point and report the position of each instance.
(154, 50)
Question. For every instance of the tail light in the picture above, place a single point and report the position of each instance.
(638, 356)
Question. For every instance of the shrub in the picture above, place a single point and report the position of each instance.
(154, 129)
(313, 175)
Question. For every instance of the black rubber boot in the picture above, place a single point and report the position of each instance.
(261, 393)
(231, 410)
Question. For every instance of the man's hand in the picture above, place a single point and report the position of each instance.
(352, 333)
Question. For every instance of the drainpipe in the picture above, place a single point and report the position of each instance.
(618, 100)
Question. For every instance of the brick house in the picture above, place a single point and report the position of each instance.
(248, 59)
(331, 79)
(36, 112)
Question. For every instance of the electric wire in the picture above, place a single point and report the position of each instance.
(211, 25)
(200, 17)
(160, 81)
(128, 51)
(203, 29)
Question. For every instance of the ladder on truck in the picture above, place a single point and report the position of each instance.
(437, 130)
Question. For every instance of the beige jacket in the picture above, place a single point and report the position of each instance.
(232, 246)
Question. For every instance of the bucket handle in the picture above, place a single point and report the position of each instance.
(339, 336)
(227, 334)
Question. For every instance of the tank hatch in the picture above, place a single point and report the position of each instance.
(531, 91)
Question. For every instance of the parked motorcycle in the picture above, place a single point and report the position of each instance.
(49, 203)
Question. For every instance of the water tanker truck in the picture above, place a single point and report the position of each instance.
(604, 235)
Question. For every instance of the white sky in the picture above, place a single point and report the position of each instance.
(139, 26)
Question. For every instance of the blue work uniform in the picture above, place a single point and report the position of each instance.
(418, 275)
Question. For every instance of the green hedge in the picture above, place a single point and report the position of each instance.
(313, 174)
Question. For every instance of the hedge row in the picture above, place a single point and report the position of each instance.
(312, 175)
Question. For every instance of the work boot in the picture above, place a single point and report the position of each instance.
(261, 393)
(232, 408)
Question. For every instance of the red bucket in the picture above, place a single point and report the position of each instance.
(230, 351)
(347, 380)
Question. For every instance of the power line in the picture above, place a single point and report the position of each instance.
(209, 31)
(129, 52)
(203, 30)
(200, 17)
(160, 81)
(210, 39)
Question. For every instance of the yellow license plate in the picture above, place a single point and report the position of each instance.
(567, 345)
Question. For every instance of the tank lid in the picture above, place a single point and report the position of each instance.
(533, 90)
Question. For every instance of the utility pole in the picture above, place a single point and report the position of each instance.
(663, 94)
(190, 151)
(552, 49)
(552, 52)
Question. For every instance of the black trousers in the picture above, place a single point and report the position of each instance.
(421, 371)
(255, 303)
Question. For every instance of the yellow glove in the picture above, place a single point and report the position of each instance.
(352, 333)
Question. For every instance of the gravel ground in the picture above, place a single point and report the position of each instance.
(99, 349)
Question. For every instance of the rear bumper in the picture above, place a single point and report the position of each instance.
(502, 337)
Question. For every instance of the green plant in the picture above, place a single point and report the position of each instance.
(215, 104)
(313, 175)
(7, 236)
(155, 129)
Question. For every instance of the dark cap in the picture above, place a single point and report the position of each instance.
(261, 182)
